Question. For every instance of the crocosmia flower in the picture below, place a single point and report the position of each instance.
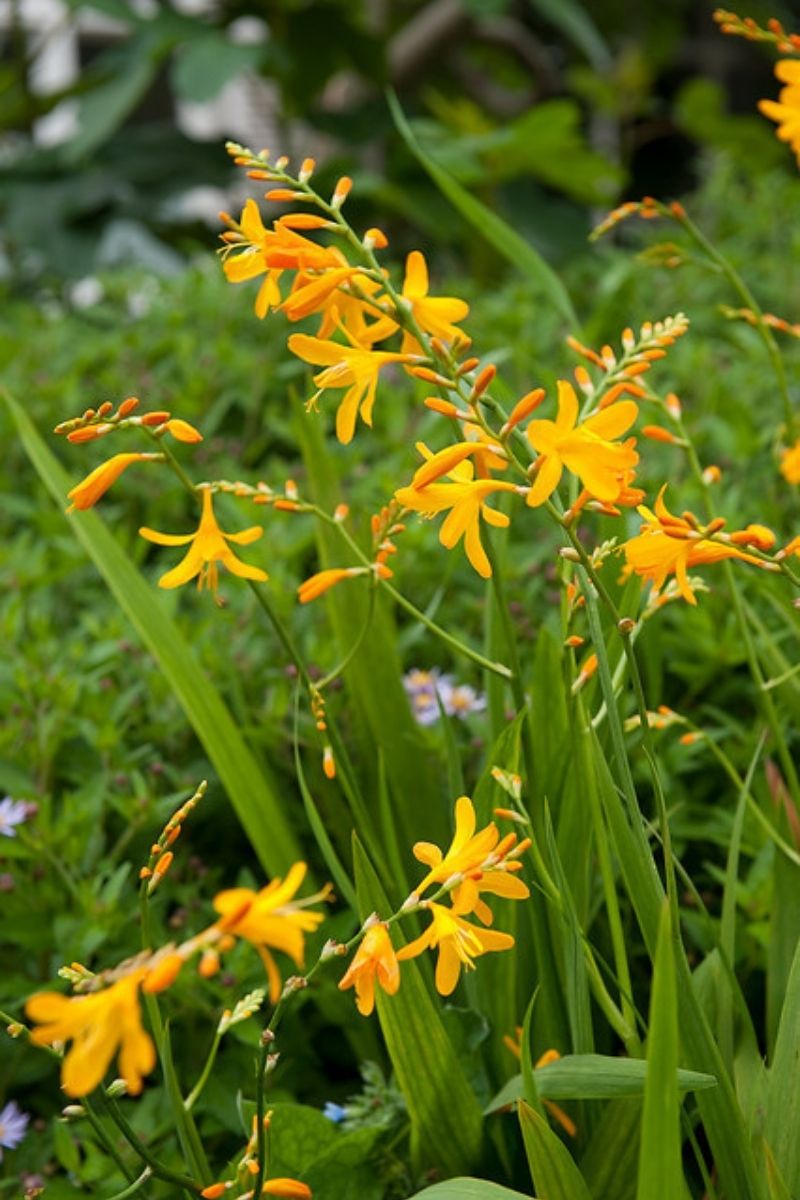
(208, 546)
(588, 450)
(98, 1025)
(374, 959)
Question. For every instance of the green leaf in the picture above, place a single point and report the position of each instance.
(505, 240)
(660, 1174)
(555, 1173)
(66, 1147)
(468, 1189)
(783, 1090)
(593, 1077)
(548, 143)
(719, 1109)
(203, 67)
(609, 1161)
(446, 1119)
(250, 791)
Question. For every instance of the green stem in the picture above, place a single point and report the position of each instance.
(132, 1138)
(136, 1186)
(338, 670)
(459, 646)
(188, 1136)
(194, 1094)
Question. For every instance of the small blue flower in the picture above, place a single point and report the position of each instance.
(334, 1112)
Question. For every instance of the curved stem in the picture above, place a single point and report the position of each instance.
(749, 301)
(132, 1138)
(457, 645)
(321, 684)
(134, 1187)
(194, 1094)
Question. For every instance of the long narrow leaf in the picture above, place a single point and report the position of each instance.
(506, 241)
(783, 1095)
(660, 1168)
(555, 1173)
(250, 791)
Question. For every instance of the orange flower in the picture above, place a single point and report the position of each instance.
(272, 251)
(588, 449)
(317, 584)
(374, 959)
(209, 546)
(790, 459)
(351, 367)
(433, 314)
(272, 918)
(459, 943)
(465, 496)
(786, 110)
(97, 1024)
(86, 493)
(670, 545)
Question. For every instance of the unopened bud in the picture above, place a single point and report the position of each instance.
(626, 626)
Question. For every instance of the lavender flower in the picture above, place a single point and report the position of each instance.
(12, 813)
(13, 1125)
(457, 699)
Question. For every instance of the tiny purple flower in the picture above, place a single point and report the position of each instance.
(13, 1124)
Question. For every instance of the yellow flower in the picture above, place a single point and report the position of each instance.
(209, 546)
(433, 314)
(790, 460)
(670, 545)
(588, 449)
(465, 496)
(786, 110)
(97, 1024)
(272, 918)
(351, 367)
(467, 851)
(374, 959)
(498, 882)
(86, 493)
(459, 943)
